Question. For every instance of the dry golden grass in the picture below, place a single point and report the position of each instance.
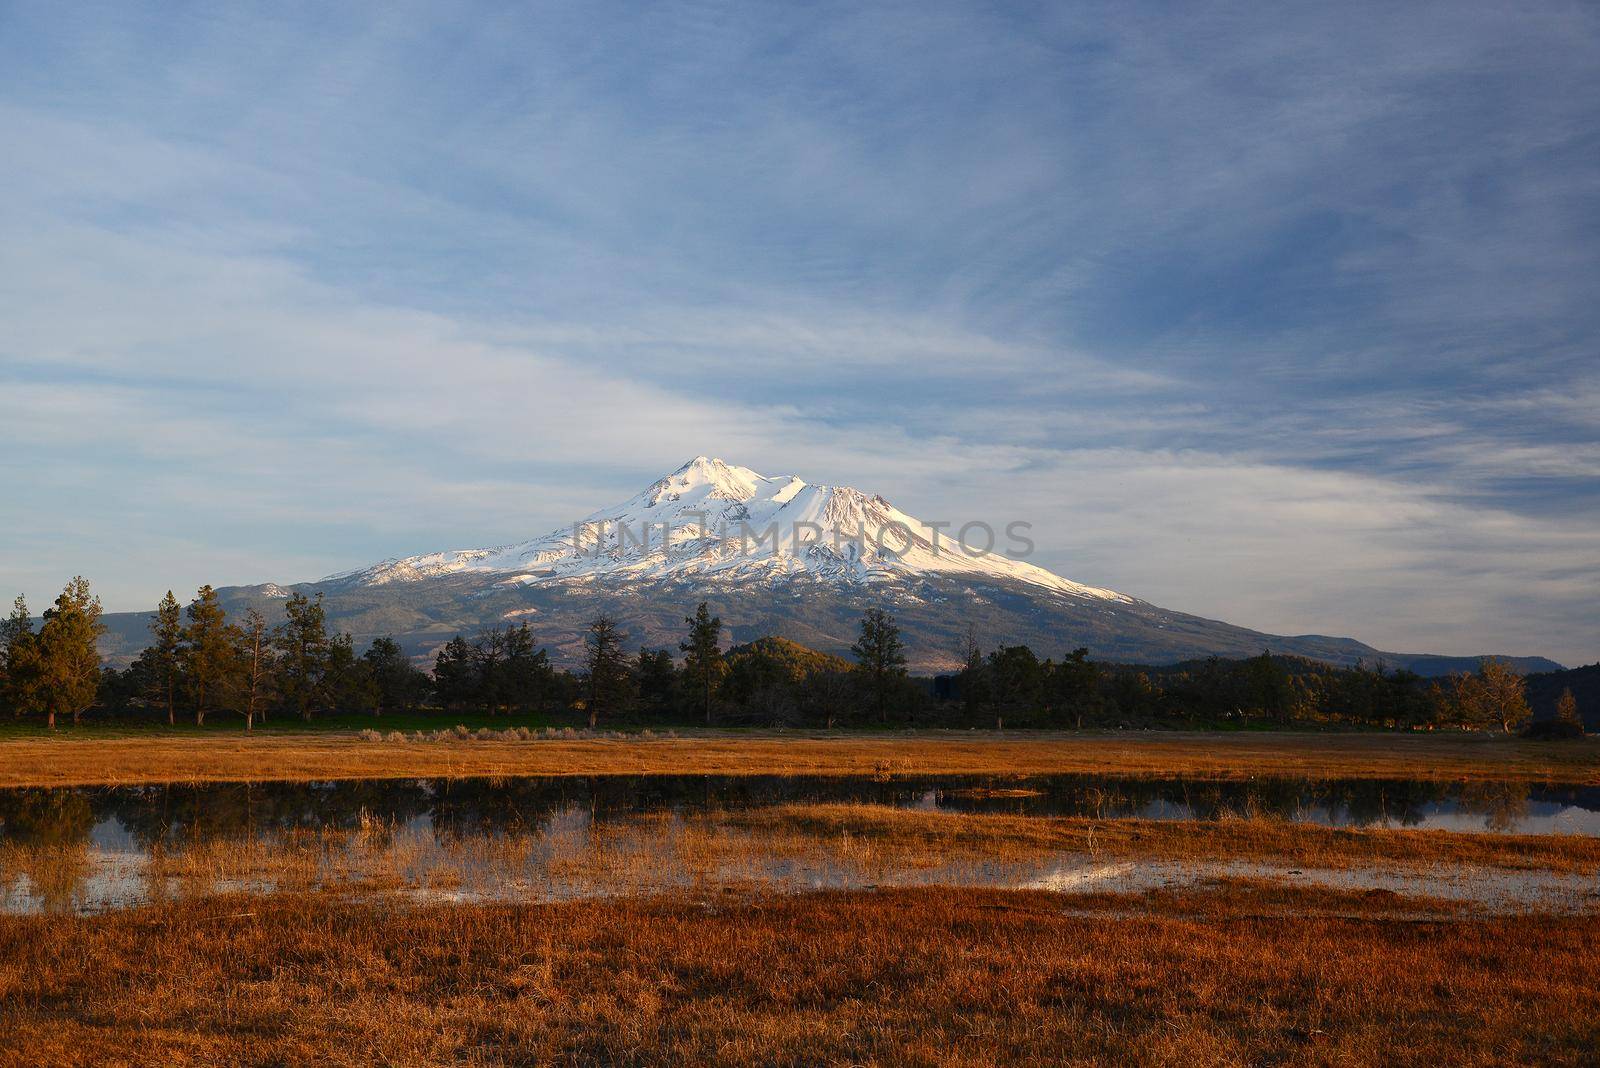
(912, 833)
(948, 977)
(209, 758)
(722, 971)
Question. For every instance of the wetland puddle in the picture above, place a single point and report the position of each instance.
(540, 839)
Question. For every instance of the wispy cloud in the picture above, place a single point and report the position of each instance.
(1284, 320)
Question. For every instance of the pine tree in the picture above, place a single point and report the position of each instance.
(303, 647)
(69, 652)
(207, 653)
(19, 668)
(527, 671)
(454, 674)
(395, 682)
(1270, 692)
(880, 658)
(489, 656)
(347, 684)
(655, 675)
(972, 681)
(1016, 682)
(606, 667)
(1076, 685)
(703, 664)
(254, 655)
(167, 630)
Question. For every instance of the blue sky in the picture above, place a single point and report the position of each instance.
(1291, 321)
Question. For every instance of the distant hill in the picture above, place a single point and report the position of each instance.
(797, 661)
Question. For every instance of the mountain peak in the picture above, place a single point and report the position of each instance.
(707, 477)
(714, 521)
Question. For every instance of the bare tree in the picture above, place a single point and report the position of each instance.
(1504, 694)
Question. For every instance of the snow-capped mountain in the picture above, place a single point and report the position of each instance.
(772, 556)
(714, 521)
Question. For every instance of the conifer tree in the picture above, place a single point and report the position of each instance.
(489, 659)
(655, 674)
(18, 660)
(1076, 683)
(1016, 681)
(207, 653)
(396, 683)
(606, 667)
(454, 676)
(974, 682)
(1270, 692)
(167, 631)
(880, 657)
(528, 675)
(347, 684)
(68, 652)
(303, 648)
(255, 658)
(703, 664)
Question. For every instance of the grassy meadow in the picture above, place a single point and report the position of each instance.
(100, 755)
(1234, 974)
(807, 932)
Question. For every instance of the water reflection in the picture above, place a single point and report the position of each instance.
(147, 817)
(556, 838)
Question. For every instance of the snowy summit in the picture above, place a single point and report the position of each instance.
(714, 521)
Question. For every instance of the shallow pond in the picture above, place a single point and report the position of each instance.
(134, 817)
(550, 838)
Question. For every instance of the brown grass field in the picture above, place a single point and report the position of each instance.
(80, 760)
(693, 953)
(905, 833)
(1232, 976)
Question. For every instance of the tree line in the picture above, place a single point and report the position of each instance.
(1012, 685)
(201, 663)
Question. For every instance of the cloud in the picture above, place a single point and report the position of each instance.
(1285, 321)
